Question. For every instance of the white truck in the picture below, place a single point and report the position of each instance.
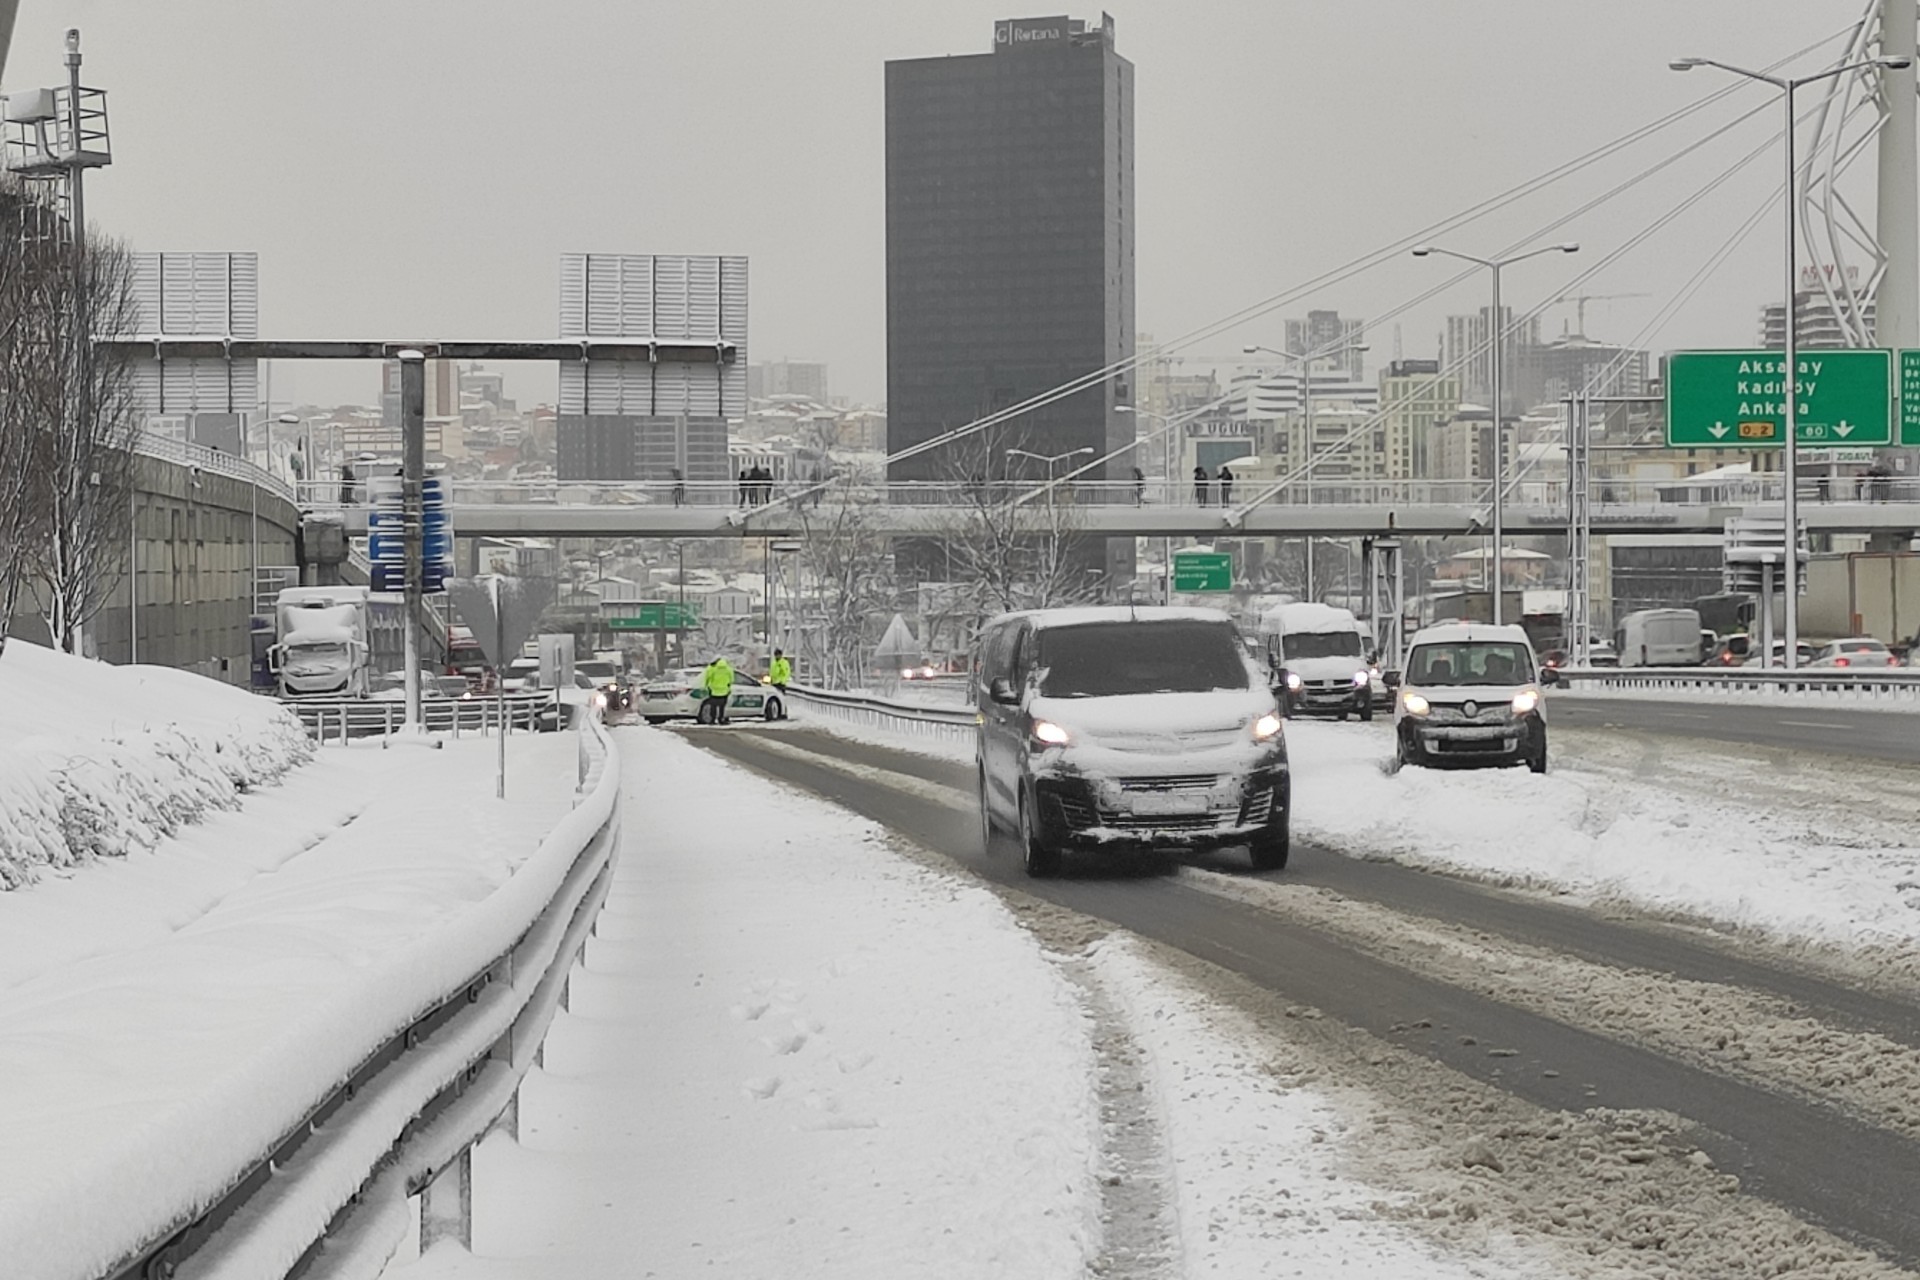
(320, 647)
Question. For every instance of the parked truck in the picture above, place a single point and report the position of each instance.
(320, 647)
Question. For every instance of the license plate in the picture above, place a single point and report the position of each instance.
(1153, 805)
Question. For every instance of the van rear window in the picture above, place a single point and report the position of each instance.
(1109, 658)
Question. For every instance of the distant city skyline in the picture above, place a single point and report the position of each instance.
(384, 202)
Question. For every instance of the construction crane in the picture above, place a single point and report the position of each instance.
(1580, 301)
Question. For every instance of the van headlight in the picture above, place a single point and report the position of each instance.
(1360, 679)
(1049, 733)
(1525, 701)
(1413, 704)
(1293, 681)
(1266, 726)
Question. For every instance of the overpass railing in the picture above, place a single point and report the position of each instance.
(952, 724)
(1895, 688)
(324, 1195)
(213, 462)
(1182, 493)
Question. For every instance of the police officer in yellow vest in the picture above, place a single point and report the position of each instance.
(717, 680)
(779, 675)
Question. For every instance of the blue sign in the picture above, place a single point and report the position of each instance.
(387, 542)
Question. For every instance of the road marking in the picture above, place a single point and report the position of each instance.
(1812, 724)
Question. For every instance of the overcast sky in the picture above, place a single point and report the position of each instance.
(415, 169)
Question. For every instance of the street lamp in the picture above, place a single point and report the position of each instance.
(1498, 328)
(1306, 360)
(1790, 375)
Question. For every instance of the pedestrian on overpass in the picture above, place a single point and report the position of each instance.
(779, 675)
(1226, 486)
(717, 680)
(679, 487)
(1139, 487)
(1200, 486)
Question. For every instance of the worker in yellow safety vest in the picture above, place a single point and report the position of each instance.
(779, 675)
(717, 680)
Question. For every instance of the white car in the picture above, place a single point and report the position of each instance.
(1862, 651)
(1470, 695)
(673, 698)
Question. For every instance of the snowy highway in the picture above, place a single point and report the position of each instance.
(1777, 1060)
(1826, 726)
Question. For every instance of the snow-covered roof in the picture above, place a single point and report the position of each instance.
(1461, 632)
(1307, 616)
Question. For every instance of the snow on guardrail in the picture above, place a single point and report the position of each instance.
(955, 723)
(328, 1199)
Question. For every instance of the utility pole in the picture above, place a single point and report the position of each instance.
(413, 469)
(1897, 218)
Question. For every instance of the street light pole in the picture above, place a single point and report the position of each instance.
(1166, 543)
(1790, 371)
(1497, 328)
(1306, 360)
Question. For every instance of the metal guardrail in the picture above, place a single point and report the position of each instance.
(1734, 683)
(402, 1119)
(342, 719)
(212, 461)
(956, 724)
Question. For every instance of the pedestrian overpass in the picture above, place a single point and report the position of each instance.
(1329, 509)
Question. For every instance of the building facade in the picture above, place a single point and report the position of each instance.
(1414, 398)
(1328, 331)
(1466, 348)
(1010, 250)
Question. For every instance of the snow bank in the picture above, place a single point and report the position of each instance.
(101, 761)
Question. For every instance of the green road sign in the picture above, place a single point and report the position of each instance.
(1202, 571)
(1737, 400)
(655, 615)
(1910, 397)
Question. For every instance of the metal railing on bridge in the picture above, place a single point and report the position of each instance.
(1185, 494)
(213, 462)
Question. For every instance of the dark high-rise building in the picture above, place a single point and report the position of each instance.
(1010, 251)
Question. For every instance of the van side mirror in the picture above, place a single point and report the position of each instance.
(1549, 676)
(1001, 691)
(1391, 679)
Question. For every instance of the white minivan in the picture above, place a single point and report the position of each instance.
(1471, 695)
(1318, 657)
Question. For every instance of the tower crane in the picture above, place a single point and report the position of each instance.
(1580, 301)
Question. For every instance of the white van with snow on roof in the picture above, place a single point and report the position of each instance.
(1318, 659)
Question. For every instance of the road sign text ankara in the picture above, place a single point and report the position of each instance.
(1738, 399)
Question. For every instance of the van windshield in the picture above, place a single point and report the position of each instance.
(1469, 662)
(1321, 644)
(1098, 660)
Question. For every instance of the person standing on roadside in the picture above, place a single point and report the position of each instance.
(780, 675)
(717, 680)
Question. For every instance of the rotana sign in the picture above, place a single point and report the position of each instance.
(1027, 33)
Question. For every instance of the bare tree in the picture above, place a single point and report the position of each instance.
(28, 271)
(847, 566)
(84, 418)
(1013, 548)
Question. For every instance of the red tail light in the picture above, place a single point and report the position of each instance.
(1841, 662)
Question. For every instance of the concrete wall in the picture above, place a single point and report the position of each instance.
(195, 555)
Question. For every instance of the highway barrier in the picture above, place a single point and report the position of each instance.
(951, 723)
(328, 1199)
(1897, 687)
